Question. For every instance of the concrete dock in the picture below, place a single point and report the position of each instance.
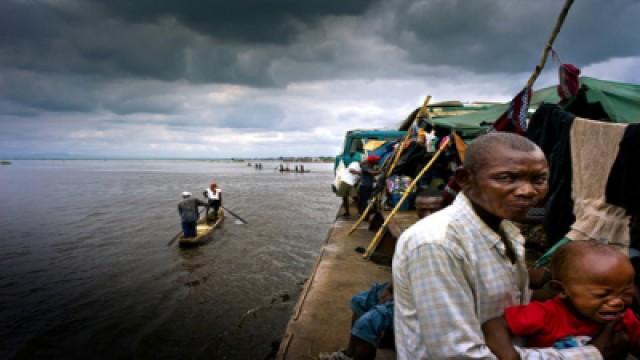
(321, 320)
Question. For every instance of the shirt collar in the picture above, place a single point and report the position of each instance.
(510, 230)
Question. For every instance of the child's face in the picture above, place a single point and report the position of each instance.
(599, 286)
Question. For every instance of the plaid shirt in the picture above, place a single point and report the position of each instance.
(451, 273)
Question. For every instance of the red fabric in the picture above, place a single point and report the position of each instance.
(372, 159)
(450, 191)
(544, 323)
(514, 119)
(569, 82)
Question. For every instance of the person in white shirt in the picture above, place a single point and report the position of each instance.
(348, 180)
(213, 194)
(463, 265)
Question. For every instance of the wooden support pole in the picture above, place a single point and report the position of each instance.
(396, 156)
(363, 216)
(552, 38)
(376, 239)
(398, 151)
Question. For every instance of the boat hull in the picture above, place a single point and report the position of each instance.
(204, 229)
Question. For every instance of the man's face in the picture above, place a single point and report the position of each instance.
(427, 205)
(510, 183)
(600, 288)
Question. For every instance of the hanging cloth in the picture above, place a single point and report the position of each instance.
(623, 186)
(569, 82)
(594, 147)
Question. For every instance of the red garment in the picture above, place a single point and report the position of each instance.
(450, 191)
(569, 81)
(544, 323)
(514, 119)
(372, 159)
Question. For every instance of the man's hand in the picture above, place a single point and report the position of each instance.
(612, 342)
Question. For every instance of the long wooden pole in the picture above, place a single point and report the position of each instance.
(552, 38)
(400, 148)
(236, 215)
(376, 239)
(396, 156)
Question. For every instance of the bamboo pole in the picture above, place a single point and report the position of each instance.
(396, 156)
(363, 216)
(400, 148)
(376, 239)
(366, 211)
(552, 38)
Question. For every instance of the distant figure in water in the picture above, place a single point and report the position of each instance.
(214, 197)
(301, 168)
(188, 210)
(297, 170)
(281, 167)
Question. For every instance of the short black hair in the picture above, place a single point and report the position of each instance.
(479, 151)
(562, 260)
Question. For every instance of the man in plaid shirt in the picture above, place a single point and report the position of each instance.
(464, 265)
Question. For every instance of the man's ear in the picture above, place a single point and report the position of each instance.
(463, 177)
(558, 287)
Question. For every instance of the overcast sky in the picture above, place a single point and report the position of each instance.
(240, 78)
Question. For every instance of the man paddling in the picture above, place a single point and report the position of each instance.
(188, 210)
(213, 194)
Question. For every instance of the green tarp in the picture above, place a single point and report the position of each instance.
(620, 100)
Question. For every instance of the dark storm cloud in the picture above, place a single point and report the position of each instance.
(256, 21)
(96, 70)
(273, 43)
(200, 41)
(507, 35)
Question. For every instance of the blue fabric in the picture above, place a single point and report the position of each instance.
(384, 151)
(366, 300)
(364, 194)
(189, 228)
(374, 324)
(567, 343)
(366, 177)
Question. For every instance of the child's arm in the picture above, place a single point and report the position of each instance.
(498, 339)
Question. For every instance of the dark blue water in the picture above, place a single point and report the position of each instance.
(85, 270)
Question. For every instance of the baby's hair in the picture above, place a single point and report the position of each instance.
(561, 262)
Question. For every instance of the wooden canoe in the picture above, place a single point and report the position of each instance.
(204, 228)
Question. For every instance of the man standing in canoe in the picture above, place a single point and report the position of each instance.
(188, 210)
(214, 196)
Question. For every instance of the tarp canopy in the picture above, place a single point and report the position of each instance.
(621, 101)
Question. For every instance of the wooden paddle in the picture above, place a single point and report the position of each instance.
(180, 232)
(236, 215)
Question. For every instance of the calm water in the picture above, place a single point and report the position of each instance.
(85, 270)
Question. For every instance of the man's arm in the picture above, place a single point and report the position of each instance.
(498, 339)
(201, 203)
(445, 307)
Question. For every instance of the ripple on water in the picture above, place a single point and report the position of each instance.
(92, 274)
